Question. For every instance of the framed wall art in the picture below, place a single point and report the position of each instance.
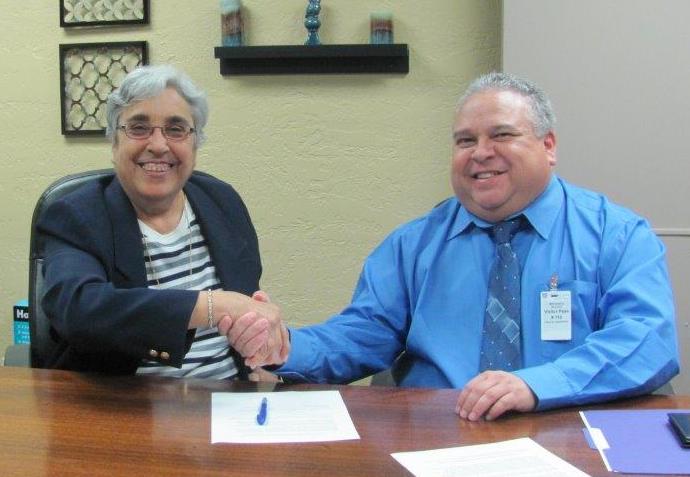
(84, 13)
(88, 73)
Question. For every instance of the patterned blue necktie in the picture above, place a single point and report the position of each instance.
(501, 336)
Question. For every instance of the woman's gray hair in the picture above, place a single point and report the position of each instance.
(149, 81)
(543, 117)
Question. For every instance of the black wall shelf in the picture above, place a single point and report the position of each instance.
(321, 59)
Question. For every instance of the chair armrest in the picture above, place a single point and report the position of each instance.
(17, 355)
(665, 390)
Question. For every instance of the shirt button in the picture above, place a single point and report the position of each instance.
(165, 355)
(153, 353)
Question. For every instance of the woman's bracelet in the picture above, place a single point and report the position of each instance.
(209, 300)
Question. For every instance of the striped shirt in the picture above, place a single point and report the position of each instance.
(181, 260)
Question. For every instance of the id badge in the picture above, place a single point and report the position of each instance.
(556, 316)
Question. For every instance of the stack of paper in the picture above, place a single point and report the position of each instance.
(518, 457)
(291, 416)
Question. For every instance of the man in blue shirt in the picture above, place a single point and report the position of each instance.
(423, 291)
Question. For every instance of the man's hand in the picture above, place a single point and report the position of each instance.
(261, 340)
(247, 335)
(491, 394)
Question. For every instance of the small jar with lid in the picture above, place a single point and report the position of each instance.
(231, 22)
(381, 28)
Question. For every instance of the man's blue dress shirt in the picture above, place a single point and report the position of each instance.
(424, 289)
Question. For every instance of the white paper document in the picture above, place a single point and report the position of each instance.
(291, 416)
(517, 458)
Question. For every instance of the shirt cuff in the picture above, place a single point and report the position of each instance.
(549, 385)
(299, 361)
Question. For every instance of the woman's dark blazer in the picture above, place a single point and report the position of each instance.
(102, 315)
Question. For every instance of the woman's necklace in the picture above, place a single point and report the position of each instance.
(189, 244)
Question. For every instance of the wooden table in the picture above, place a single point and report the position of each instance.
(63, 423)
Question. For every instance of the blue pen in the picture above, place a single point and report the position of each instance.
(263, 412)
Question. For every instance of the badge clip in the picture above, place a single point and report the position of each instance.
(553, 283)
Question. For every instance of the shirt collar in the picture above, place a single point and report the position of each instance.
(541, 213)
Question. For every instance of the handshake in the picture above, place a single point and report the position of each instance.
(253, 326)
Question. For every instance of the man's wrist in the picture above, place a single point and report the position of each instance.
(274, 367)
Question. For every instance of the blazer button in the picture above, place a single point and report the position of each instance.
(165, 355)
(153, 353)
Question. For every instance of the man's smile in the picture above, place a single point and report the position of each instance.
(486, 174)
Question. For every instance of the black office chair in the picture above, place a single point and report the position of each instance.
(393, 375)
(39, 326)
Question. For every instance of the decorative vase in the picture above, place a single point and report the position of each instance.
(312, 22)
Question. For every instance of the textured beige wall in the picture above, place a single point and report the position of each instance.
(327, 165)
